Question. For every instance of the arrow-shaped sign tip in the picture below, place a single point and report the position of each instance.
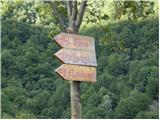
(56, 70)
(55, 37)
(55, 55)
(59, 58)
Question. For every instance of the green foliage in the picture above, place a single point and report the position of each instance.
(101, 12)
(147, 115)
(24, 66)
(127, 72)
(129, 107)
(24, 115)
(94, 10)
(34, 12)
(134, 9)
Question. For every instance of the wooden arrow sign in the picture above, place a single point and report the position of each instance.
(73, 41)
(77, 73)
(79, 57)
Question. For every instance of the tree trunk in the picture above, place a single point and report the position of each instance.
(75, 19)
(74, 85)
(75, 100)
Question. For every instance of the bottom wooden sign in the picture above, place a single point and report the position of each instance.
(77, 73)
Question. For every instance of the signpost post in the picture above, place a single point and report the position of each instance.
(79, 63)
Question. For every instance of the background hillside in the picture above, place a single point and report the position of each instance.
(127, 73)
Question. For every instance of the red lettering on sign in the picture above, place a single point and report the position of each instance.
(67, 72)
(80, 58)
(81, 43)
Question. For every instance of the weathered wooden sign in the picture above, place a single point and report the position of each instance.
(78, 54)
(79, 57)
(77, 73)
(73, 41)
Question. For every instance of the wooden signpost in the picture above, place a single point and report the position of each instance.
(74, 41)
(78, 57)
(77, 73)
(79, 63)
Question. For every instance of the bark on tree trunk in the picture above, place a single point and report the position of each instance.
(74, 87)
(75, 19)
(75, 100)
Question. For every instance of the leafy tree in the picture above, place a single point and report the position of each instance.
(126, 51)
(24, 115)
(147, 115)
(129, 107)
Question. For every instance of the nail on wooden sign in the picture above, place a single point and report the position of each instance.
(77, 73)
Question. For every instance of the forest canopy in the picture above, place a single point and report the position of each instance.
(126, 39)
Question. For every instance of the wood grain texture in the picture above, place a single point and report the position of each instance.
(78, 57)
(77, 73)
(74, 41)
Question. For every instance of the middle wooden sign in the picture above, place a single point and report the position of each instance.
(78, 57)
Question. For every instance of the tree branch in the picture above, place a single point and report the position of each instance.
(74, 11)
(54, 6)
(69, 8)
(81, 13)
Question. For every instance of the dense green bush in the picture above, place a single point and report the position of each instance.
(127, 66)
(127, 72)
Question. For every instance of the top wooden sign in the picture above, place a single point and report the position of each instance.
(72, 41)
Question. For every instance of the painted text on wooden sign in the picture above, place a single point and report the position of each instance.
(73, 41)
(77, 73)
(79, 57)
